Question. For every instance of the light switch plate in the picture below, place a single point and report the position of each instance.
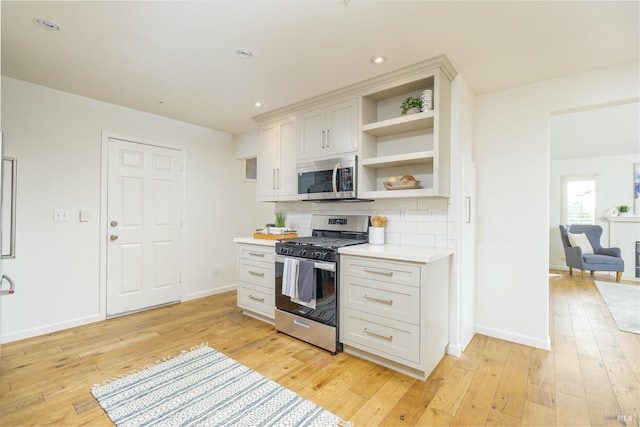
(85, 215)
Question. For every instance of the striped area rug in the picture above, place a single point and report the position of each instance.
(203, 387)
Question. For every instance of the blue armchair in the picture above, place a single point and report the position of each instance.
(602, 259)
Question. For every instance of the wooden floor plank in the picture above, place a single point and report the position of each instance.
(589, 377)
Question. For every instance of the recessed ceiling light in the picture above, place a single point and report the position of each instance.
(257, 104)
(244, 53)
(377, 60)
(47, 24)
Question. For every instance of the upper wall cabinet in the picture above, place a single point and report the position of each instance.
(276, 176)
(414, 144)
(365, 119)
(329, 131)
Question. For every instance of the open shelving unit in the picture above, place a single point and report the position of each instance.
(395, 145)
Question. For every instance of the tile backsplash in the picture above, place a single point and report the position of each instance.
(421, 222)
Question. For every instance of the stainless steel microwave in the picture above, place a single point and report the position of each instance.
(333, 179)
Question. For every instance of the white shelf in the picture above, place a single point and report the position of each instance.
(400, 124)
(388, 194)
(399, 160)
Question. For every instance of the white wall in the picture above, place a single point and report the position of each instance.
(56, 137)
(615, 188)
(246, 144)
(512, 157)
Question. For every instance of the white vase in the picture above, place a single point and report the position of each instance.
(413, 110)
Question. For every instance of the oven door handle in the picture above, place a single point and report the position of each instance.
(326, 266)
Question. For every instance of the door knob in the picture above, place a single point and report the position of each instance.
(12, 286)
(114, 223)
(113, 237)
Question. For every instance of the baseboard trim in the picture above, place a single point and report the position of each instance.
(209, 292)
(47, 329)
(544, 344)
(454, 350)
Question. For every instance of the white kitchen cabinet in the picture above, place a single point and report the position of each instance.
(395, 313)
(414, 144)
(276, 175)
(329, 131)
(256, 281)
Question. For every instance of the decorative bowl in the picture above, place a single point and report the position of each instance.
(401, 185)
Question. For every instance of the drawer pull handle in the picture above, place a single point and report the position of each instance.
(382, 300)
(256, 273)
(256, 298)
(261, 255)
(299, 323)
(378, 334)
(384, 273)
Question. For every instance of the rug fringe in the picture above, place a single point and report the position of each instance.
(150, 365)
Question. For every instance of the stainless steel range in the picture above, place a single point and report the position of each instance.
(307, 276)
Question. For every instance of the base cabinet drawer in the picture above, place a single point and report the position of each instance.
(257, 299)
(257, 253)
(258, 273)
(388, 338)
(384, 271)
(393, 301)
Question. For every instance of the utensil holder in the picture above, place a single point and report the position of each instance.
(376, 235)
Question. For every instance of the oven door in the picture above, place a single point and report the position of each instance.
(327, 180)
(325, 310)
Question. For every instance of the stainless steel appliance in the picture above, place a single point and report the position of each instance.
(333, 179)
(317, 324)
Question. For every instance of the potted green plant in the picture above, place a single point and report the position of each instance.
(281, 219)
(411, 105)
(624, 210)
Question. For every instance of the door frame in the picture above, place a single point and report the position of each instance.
(104, 179)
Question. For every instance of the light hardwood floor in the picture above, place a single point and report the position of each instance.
(590, 377)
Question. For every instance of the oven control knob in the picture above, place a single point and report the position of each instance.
(325, 255)
(315, 254)
(303, 252)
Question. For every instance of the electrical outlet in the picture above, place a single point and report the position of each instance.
(216, 269)
(403, 213)
(60, 215)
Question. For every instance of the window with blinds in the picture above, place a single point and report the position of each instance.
(579, 199)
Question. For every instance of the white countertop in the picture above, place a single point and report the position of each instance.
(252, 241)
(398, 252)
(389, 251)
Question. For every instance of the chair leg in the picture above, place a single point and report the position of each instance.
(618, 276)
(592, 272)
(583, 275)
(570, 271)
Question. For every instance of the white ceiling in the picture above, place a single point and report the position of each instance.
(177, 59)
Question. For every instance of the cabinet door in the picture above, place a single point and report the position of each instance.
(267, 162)
(287, 187)
(312, 134)
(342, 128)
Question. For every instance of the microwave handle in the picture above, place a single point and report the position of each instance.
(334, 181)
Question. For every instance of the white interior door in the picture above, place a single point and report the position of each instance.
(144, 226)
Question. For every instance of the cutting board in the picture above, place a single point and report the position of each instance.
(274, 236)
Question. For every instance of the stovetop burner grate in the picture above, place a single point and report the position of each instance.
(322, 242)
